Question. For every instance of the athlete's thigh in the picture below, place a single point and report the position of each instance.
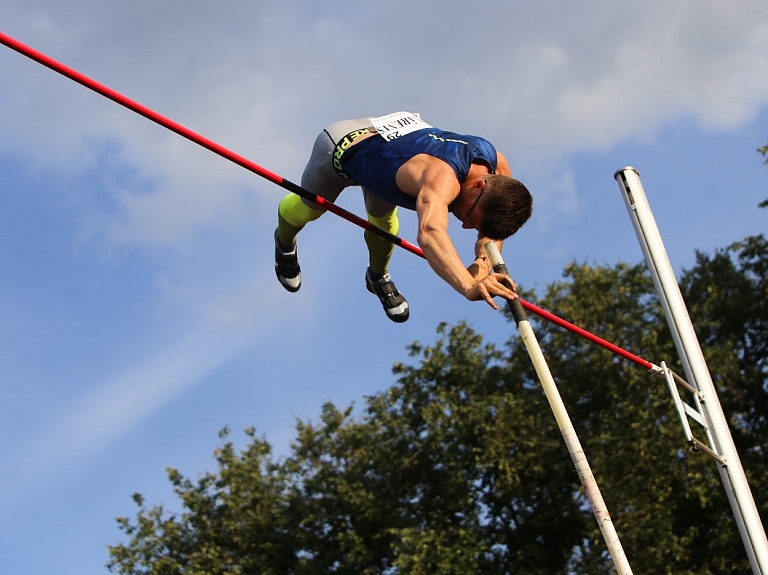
(319, 177)
(375, 206)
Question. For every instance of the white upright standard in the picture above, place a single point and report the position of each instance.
(729, 465)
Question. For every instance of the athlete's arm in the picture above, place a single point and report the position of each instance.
(482, 266)
(502, 166)
(435, 186)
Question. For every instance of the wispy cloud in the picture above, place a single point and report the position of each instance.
(231, 323)
(559, 85)
(113, 407)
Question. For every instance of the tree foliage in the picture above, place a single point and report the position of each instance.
(459, 467)
(764, 151)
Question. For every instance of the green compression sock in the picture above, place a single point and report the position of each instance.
(380, 250)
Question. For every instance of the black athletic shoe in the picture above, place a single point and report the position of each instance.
(394, 303)
(287, 267)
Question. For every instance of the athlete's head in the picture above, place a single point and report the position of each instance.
(506, 205)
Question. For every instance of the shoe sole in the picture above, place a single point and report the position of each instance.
(403, 317)
(290, 288)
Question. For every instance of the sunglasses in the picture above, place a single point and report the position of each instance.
(472, 207)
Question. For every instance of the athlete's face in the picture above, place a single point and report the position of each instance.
(467, 211)
(468, 216)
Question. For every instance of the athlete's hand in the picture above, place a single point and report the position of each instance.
(493, 285)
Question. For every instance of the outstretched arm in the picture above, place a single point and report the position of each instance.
(482, 266)
(436, 187)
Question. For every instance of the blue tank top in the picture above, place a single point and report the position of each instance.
(373, 162)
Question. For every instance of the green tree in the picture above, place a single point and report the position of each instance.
(764, 152)
(452, 470)
(667, 503)
(728, 294)
(459, 467)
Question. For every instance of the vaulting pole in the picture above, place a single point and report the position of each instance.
(572, 442)
(142, 110)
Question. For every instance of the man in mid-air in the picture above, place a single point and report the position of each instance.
(400, 160)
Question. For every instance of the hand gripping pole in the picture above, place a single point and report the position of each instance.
(564, 423)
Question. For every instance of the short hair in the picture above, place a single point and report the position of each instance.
(507, 204)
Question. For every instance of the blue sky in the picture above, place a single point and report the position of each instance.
(139, 313)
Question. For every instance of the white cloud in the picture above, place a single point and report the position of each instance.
(115, 406)
(540, 81)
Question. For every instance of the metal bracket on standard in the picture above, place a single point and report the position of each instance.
(686, 411)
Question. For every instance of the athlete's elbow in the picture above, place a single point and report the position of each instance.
(426, 237)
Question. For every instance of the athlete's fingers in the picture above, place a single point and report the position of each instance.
(506, 281)
(490, 287)
(503, 289)
(488, 297)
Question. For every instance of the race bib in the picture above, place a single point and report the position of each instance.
(392, 126)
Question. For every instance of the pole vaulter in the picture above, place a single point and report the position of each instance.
(150, 114)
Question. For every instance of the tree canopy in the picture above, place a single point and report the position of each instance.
(764, 151)
(459, 466)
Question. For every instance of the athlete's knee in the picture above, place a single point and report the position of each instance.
(294, 211)
(388, 222)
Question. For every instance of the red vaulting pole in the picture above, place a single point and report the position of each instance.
(150, 114)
